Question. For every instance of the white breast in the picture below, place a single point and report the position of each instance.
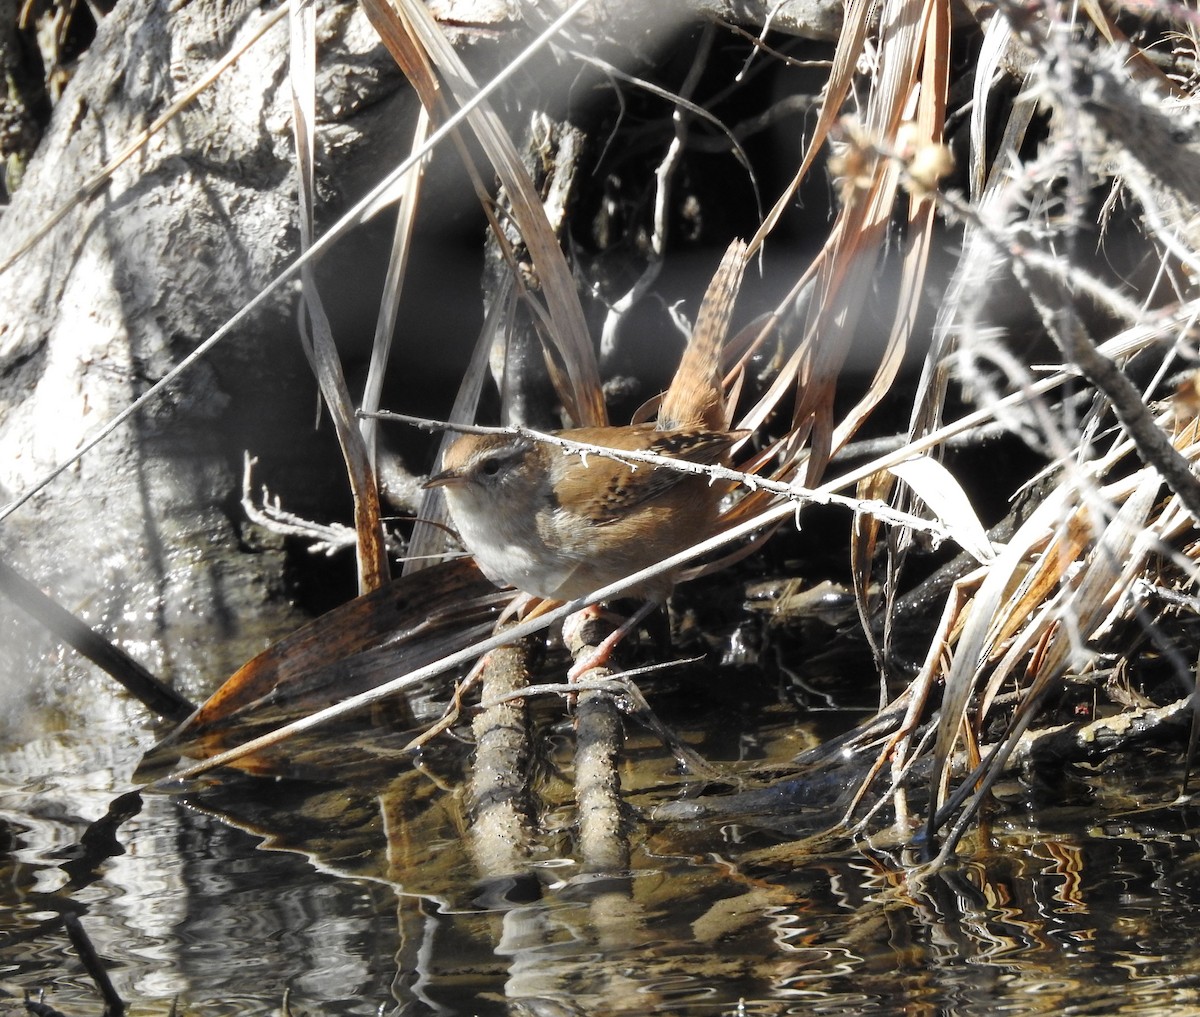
(507, 546)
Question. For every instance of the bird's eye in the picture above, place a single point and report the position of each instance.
(489, 467)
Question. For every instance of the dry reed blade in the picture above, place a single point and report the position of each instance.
(927, 130)
(389, 301)
(972, 646)
(1045, 576)
(925, 56)
(944, 497)
(1079, 607)
(371, 548)
(855, 26)
(913, 46)
(567, 335)
(995, 51)
(1065, 602)
(792, 377)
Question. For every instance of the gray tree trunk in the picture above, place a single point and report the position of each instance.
(144, 538)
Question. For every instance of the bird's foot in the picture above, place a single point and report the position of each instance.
(588, 657)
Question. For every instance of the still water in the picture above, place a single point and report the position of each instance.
(1082, 898)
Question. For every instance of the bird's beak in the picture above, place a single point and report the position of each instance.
(447, 478)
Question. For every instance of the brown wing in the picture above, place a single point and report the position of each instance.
(629, 488)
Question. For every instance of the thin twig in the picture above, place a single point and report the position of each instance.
(663, 176)
(716, 473)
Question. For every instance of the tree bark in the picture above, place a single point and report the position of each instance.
(143, 538)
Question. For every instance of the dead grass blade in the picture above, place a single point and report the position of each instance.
(924, 133)
(995, 51)
(841, 77)
(389, 301)
(973, 646)
(567, 334)
(371, 547)
(913, 48)
(914, 58)
(1078, 608)
(794, 376)
(841, 272)
(942, 494)
(355, 646)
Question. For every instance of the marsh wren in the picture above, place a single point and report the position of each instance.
(560, 525)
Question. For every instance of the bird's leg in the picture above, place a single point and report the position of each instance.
(599, 656)
(523, 607)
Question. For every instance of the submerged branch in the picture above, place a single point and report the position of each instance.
(499, 796)
(147, 689)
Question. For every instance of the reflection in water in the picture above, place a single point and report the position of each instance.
(191, 909)
(1086, 903)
